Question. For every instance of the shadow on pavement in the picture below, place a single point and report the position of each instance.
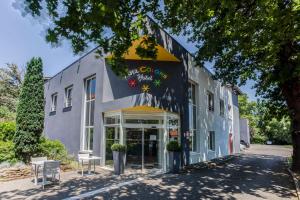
(256, 176)
(266, 178)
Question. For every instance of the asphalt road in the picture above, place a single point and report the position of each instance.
(258, 173)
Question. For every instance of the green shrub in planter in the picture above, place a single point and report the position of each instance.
(119, 157)
(173, 146)
(174, 156)
(118, 147)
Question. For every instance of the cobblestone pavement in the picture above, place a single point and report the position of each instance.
(258, 173)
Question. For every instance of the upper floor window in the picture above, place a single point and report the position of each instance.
(193, 116)
(211, 140)
(210, 96)
(68, 96)
(222, 107)
(90, 88)
(53, 102)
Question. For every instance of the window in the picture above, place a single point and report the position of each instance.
(193, 116)
(53, 102)
(221, 107)
(90, 90)
(68, 97)
(211, 140)
(112, 137)
(210, 101)
(112, 120)
(172, 128)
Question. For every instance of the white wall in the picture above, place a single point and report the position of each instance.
(213, 121)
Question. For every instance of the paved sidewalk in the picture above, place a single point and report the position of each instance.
(258, 173)
(72, 184)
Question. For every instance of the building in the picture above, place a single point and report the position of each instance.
(245, 130)
(88, 107)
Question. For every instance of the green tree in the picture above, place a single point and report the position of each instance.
(30, 111)
(248, 110)
(278, 131)
(246, 39)
(10, 81)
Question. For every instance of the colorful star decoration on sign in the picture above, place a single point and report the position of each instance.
(132, 83)
(145, 88)
(157, 83)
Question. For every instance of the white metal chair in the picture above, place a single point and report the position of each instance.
(51, 168)
(82, 161)
(35, 159)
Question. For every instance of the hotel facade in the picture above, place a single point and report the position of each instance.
(88, 107)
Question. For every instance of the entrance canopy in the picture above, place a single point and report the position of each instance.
(145, 131)
(143, 109)
(162, 53)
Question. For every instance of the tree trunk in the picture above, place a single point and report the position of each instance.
(295, 128)
(292, 93)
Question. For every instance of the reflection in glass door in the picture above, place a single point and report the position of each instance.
(134, 147)
(143, 148)
(151, 148)
(112, 137)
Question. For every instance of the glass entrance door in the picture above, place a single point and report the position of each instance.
(134, 141)
(151, 148)
(143, 148)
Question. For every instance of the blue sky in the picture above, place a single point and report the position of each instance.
(21, 38)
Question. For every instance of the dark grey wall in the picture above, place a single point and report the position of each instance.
(67, 126)
(169, 95)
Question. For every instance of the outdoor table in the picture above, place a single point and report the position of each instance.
(89, 159)
(37, 164)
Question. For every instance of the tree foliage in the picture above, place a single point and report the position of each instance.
(112, 25)
(246, 39)
(7, 130)
(248, 110)
(30, 111)
(10, 81)
(262, 123)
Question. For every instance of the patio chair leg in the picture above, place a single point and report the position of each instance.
(81, 167)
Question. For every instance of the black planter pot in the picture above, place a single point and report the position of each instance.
(174, 161)
(119, 162)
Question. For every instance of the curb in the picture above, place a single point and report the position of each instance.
(204, 164)
(296, 183)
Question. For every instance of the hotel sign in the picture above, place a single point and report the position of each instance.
(145, 76)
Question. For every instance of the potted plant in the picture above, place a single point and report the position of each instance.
(119, 152)
(174, 150)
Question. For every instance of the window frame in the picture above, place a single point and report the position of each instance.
(222, 107)
(211, 141)
(211, 108)
(67, 96)
(87, 136)
(53, 107)
(193, 107)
